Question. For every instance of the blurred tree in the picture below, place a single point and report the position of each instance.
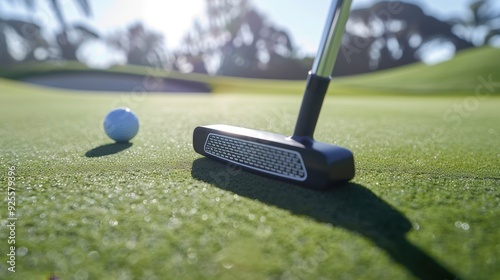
(141, 46)
(69, 38)
(482, 25)
(390, 34)
(72, 38)
(21, 41)
(238, 41)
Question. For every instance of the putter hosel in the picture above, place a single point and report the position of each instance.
(311, 106)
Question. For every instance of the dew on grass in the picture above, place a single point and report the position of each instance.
(192, 258)
(22, 251)
(227, 265)
(131, 243)
(464, 226)
(416, 226)
(82, 275)
(94, 255)
(77, 258)
(264, 231)
(231, 234)
(174, 223)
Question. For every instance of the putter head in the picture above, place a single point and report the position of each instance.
(305, 162)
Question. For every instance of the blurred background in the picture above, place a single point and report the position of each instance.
(247, 38)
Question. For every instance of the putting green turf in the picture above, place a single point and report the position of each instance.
(424, 203)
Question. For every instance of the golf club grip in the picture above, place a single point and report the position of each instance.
(320, 75)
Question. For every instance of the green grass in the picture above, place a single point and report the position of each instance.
(463, 75)
(470, 72)
(425, 201)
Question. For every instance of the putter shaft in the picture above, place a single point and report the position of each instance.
(320, 75)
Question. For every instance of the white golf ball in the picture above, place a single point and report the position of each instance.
(121, 124)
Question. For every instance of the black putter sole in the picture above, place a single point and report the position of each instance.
(297, 159)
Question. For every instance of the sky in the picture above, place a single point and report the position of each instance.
(303, 19)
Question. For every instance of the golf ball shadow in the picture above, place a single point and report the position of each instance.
(108, 149)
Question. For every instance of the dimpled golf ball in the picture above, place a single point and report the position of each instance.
(121, 125)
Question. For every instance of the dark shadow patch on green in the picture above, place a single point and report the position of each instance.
(108, 149)
(350, 206)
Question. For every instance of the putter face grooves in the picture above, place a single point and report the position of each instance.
(260, 157)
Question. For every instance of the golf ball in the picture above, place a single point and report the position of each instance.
(121, 124)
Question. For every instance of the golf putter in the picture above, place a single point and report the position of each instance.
(298, 159)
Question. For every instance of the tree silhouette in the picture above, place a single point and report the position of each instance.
(26, 36)
(57, 8)
(141, 46)
(237, 40)
(385, 36)
(68, 44)
(482, 25)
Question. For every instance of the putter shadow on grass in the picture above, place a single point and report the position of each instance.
(352, 207)
(107, 149)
